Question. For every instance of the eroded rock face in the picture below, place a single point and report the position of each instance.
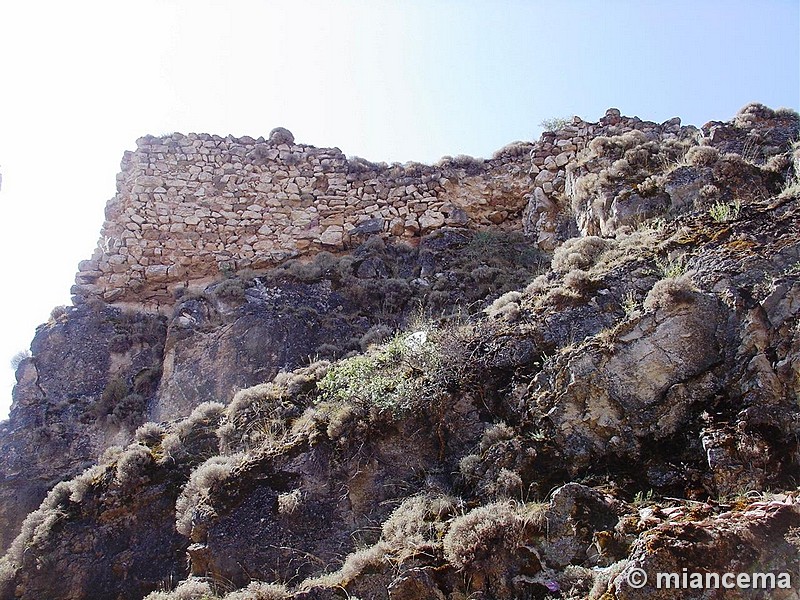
(643, 383)
(216, 348)
(87, 386)
(338, 491)
(98, 372)
(749, 542)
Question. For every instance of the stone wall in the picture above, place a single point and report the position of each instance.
(559, 152)
(189, 207)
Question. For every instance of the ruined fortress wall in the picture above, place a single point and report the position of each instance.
(189, 207)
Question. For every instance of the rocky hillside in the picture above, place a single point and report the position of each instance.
(606, 393)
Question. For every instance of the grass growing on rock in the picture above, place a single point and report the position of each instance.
(388, 378)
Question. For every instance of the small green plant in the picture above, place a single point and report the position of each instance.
(388, 378)
(723, 212)
(670, 268)
(642, 498)
(652, 225)
(555, 123)
(630, 304)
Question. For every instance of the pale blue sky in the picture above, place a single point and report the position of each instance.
(411, 80)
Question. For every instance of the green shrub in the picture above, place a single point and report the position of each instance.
(384, 378)
(670, 269)
(630, 305)
(116, 389)
(722, 212)
(119, 406)
(555, 123)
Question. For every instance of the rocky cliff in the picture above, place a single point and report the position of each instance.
(289, 374)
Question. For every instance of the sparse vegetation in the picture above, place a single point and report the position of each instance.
(290, 502)
(211, 474)
(388, 378)
(670, 268)
(231, 289)
(193, 438)
(506, 306)
(702, 156)
(670, 292)
(578, 253)
(17, 359)
(418, 524)
(630, 304)
(355, 564)
(483, 531)
(133, 464)
(461, 380)
(555, 123)
(722, 212)
(257, 590)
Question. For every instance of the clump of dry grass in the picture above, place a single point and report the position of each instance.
(578, 281)
(150, 434)
(670, 292)
(290, 502)
(258, 590)
(505, 307)
(578, 253)
(211, 474)
(133, 464)
(361, 561)
(702, 156)
(194, 436)
(417, 525)
(476, 535)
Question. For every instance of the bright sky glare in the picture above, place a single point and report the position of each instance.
(388, 81)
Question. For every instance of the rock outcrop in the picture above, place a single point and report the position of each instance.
(464, 416)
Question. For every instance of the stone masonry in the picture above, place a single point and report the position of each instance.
(190, 207)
